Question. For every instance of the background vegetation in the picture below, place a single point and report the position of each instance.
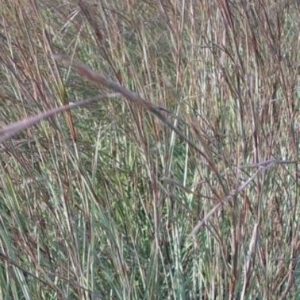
(193, 194)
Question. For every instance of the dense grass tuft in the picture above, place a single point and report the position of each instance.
(176, 176)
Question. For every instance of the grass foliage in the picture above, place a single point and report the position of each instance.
(178, 175)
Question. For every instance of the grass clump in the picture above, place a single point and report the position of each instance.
(176, 176)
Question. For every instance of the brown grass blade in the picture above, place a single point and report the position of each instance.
(15, 128)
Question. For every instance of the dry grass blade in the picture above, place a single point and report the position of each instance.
(223, 202)
(250, 259)
(15, 128)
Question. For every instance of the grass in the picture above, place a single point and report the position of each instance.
(149, 150)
